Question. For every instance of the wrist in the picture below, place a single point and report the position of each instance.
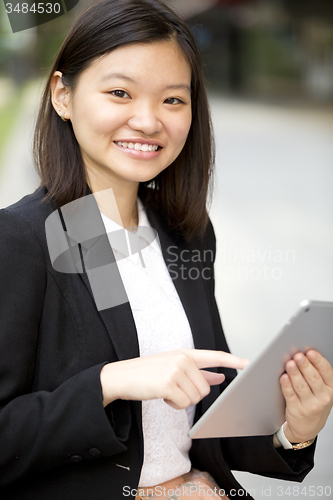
(281, 437)
(289, 435)
(108, 394)
(276, 442)
(295, 439)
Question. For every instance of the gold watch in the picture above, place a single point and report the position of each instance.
(300, 446)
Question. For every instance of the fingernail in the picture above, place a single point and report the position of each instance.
(311, 355)
(292, 365)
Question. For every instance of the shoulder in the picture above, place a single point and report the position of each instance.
(30, 206)
(22, 225)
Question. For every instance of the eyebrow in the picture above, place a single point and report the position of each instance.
(124, 77)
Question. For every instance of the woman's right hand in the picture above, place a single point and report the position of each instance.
(174, 376)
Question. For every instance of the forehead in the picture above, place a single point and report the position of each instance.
(150, 64)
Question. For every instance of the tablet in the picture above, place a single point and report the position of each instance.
(253, 403)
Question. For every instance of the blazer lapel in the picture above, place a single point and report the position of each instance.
(120, 325)
(96, 254)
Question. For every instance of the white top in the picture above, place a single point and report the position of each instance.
(162, 325)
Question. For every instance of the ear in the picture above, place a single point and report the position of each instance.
(60, 95)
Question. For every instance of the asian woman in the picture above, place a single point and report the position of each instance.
(96, 402)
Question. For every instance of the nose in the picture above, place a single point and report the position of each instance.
(145, 119)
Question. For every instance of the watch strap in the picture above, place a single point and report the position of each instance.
(283, 440)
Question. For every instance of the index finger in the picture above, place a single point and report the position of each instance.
(322, 365)
(205, 358)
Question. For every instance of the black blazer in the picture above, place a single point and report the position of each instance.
(57, 441)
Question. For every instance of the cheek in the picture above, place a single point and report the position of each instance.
(104, 122)
(97, 118)
(108, 119)
(179, 127)
(180, 131)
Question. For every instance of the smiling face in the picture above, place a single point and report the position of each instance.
(131, 113)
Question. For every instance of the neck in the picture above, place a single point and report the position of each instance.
(116, 201)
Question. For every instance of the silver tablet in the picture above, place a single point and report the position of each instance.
(253, 404)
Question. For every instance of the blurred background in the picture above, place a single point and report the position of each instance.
(269, 77)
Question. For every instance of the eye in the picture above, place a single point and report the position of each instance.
(174, 99)
(119, 93)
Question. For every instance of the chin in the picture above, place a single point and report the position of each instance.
(144, 176)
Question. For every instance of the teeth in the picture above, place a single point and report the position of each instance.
(139, 147)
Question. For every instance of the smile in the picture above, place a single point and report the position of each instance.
(138, 147)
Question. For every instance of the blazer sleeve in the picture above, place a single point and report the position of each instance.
(256, 454)
(40, 430)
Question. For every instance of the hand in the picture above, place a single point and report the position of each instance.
(308, 390)
(174, 376)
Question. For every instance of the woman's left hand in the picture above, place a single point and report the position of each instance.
(307, 387)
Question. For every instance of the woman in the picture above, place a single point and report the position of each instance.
(98, 394)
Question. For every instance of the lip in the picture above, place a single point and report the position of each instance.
(140, 155)
(141, 141)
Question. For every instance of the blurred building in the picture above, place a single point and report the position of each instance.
(276, 49)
